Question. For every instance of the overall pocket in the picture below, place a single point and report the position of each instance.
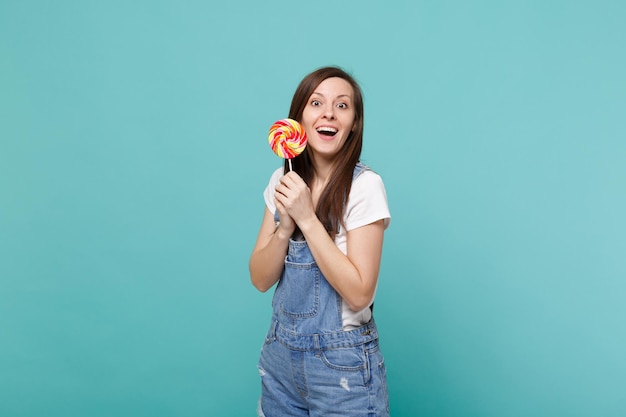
(300, 292)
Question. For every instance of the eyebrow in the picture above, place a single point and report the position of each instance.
(339, 96)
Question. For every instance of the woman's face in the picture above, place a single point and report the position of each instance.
(328, 117)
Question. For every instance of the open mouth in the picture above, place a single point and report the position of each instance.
(327, 131)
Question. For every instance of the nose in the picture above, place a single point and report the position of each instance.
(329, 111)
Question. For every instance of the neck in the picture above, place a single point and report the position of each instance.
(322, 169)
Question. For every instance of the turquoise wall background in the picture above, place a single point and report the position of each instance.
(133, 156)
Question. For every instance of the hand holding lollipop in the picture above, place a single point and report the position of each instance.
(287, 139)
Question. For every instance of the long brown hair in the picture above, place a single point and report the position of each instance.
(331, 205)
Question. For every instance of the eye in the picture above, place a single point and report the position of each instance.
(316, 103)
(342, 105)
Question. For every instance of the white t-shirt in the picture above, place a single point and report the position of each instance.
(367, 203)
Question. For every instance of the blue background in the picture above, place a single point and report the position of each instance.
(133, 155)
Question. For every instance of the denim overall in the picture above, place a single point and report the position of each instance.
(309, 365)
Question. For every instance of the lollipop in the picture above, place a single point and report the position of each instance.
(287, 139)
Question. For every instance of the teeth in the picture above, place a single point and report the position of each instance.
(327, 129)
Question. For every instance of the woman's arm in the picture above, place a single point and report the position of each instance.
(268, 256)
(353, 276)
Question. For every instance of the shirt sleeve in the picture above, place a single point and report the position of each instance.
(367, 202)
(268, 194)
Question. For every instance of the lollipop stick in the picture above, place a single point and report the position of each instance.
(290, 167)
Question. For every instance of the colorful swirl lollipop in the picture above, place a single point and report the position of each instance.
(287, 139)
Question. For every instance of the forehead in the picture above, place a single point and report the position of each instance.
(334, 87)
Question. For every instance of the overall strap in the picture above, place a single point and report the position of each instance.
(359, 169)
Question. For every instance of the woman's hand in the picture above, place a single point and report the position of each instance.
(294, 201)
(286, 225)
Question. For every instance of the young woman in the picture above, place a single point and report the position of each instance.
(321, 239)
